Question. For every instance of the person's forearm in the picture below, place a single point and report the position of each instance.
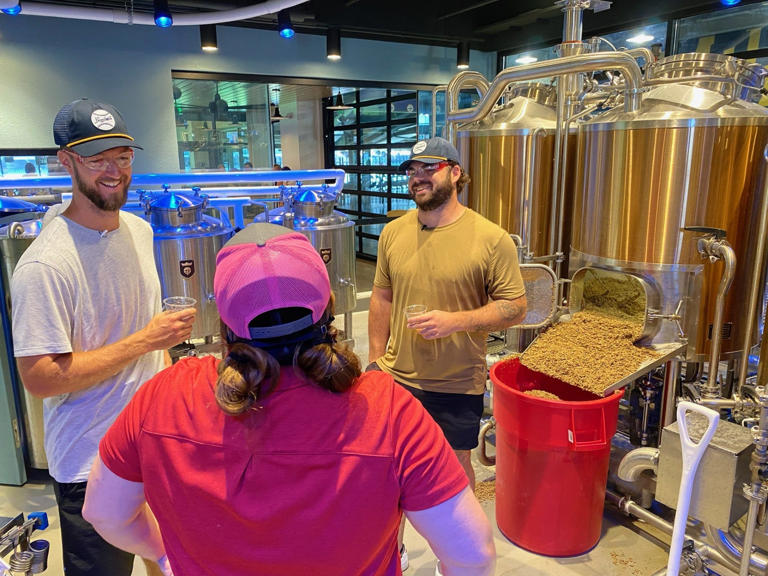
(65, 373)
(496, 315)
(378, 327)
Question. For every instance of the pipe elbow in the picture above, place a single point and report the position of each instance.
(635, 462)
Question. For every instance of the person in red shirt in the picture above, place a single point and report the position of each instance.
(282, 458)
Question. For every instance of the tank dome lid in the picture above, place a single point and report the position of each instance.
(175, 201)
(312, 196)
(11, 205)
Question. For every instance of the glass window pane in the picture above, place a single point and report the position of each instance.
(403, 204)
(374, 183)
(372, 229)
(373, 113)
(229, 138)
(350, 181)
(347, 202)
(399, 155)
(367, 94)
(374, 157)
(370, 247)
(403, 109)
(425, 114)
(734, 29)
(399, 184)
(345, 137)
(406, 133)
(345, 157)
(530, 56)
(377, 135)
(373, 204)
(344, 117)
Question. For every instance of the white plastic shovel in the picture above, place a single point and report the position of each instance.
(692, 454)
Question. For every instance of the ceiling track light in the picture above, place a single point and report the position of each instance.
(284, 26)
(208, 41)
(333, 44)
(163, 18)
(462, 56)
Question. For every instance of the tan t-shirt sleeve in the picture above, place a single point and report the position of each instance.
(505, 281)
(381, 278)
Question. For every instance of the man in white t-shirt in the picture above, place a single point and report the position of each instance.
(88, 328)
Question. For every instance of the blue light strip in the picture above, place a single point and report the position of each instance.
(197, 179)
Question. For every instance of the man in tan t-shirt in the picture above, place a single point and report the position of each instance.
(464, 269)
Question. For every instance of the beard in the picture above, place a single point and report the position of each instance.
(441, 192)
(111, 203)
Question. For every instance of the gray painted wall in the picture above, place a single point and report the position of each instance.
(47, 62)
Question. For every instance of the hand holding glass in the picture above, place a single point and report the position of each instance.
(176, 303)
(414, 310)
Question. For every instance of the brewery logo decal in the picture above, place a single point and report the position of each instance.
(326, 255)
(187, 268)
(103, 120)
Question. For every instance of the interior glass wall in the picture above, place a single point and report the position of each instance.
(221, 125)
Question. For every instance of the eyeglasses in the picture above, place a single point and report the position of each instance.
(100, 163)
(427, 169)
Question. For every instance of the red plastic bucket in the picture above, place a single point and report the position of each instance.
(551, 460)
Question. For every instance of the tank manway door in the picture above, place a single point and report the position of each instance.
(540, 293)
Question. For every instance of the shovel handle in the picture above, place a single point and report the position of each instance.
(692, 453)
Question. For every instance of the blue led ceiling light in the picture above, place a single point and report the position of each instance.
(284, 25)
(163, 18)
(12, 11)
(729, 2)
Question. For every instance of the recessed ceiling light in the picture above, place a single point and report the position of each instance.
(526, 60)
(640, 39)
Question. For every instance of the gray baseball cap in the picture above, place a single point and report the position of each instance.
(88, 128)
(432, 151)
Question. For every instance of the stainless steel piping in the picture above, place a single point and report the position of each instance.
(526, 208)
(641, 52)
(557, 67)
(756, 492)
(671, 375)
(482, 453)
(729, 548)
(630, 508)
(717, 249)
(636, 462)
(466, 79)
(755, 288)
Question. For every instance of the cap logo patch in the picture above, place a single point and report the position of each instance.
(103, 120)
(419, 147)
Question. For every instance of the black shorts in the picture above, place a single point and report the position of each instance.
(458, 415)
(85, 552)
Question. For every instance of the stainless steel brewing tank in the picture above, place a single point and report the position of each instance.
(509, 157)
(691, 156)
(186, 243)
(333, 236)
(20, 224)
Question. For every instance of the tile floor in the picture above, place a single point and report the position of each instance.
(623, 550)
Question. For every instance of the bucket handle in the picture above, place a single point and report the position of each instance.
(589, 444)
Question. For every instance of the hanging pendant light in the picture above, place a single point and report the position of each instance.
(339, 103)
(274, 108)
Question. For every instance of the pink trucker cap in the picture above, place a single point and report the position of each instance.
(268, 267)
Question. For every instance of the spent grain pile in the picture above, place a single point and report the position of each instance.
(542, 394)
(592, 351)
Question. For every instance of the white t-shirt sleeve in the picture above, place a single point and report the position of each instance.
(43, 308)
